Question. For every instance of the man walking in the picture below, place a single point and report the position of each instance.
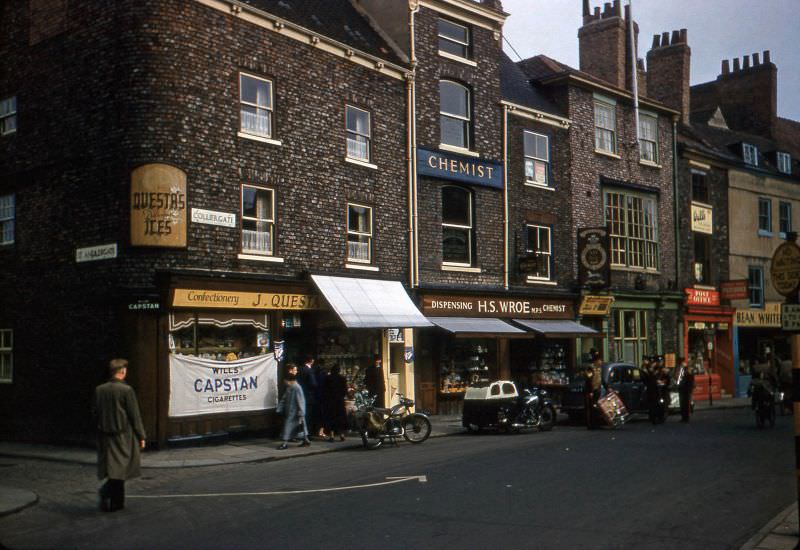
(120, 435)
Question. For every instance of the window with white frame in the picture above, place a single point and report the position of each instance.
(6, 355)
(258, 220)
(784, 162)
(784, 218)
(359, 132)
(455, 117)
(764, 215)
(755, 285)
(453, 38)
(7, 215)
(648, 138)
(537, 158)
(750, 154)
(605, 127)
(630, 335)
(634, 229)
(256, 105)
(359, 233)
(539, 243)
(8, 115)
(457, 226)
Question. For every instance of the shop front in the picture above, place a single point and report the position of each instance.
(757, 337)
(643, 324)
(480, 338)
(708, 344)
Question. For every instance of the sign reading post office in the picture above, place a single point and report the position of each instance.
(158, 206)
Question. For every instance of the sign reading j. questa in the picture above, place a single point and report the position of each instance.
(459, 168)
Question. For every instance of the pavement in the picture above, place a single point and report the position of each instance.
(780, 533)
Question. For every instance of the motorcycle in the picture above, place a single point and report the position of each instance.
(377, 424)
(532, 409)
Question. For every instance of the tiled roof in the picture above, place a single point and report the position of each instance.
(516, 88)
(336, 19)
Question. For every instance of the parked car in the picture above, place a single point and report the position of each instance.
(624, 378)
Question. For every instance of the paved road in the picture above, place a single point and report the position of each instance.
(709, 484)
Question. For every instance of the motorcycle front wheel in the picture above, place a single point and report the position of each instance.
(547, 418)
(371, 441)
(416, 428)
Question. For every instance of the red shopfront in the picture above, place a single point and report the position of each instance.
(708, 343)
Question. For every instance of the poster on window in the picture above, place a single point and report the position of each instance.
(203, 386)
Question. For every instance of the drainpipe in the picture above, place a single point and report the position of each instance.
(413, 128)
(676, 224)
(505, 197)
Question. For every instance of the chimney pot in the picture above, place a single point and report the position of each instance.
(664, 39)
(676, 37)
(766, 57)
(656, 41)
(586, 11)
(607, 9)
(617, 8)
(736, 65)
(726, 66)
(756, 61)
(684, 37)
(746, 62)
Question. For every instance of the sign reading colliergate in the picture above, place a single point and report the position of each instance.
(199, 298)
(480, 306)
(459, 168)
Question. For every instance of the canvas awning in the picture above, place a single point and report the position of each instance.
(476, 326)
(557, 328)
(370, 303)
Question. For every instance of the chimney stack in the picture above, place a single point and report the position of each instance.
(603, 44)
(668, 71)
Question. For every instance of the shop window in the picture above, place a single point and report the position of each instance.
(784, 162)
(537, 158)
(784, 218)
(648, 138)
(255, 98)
(455, 116)
(359, 233)
(7, 218)
(359, 133)
(755, 285)
(466, 362)
(699, 187)
(539, 243)
(6, 355)
(630, 336)
(8, 115)
(605, 127)
(764, 216)
(702, 259)
(634, 229)
(221, 336)
(457, 226)
(454, 39)
(258, 220)
(750, 154)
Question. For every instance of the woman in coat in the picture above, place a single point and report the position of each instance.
(333, 395)
(293, 408)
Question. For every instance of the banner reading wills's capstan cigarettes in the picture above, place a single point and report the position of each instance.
(202, 386)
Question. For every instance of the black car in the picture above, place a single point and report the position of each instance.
(623, 378)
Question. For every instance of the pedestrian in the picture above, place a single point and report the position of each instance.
(293, 408)
(121, 435)
(685, 379)
(373, 380)
(307, 379)
(591, 389)
(333, 396)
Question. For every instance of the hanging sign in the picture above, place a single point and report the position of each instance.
(701, 297)
(702, 219)
(785, 268)
(594, 266)
(596, 305)
(158, 206)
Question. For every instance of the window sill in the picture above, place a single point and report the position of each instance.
(452, 57)
(764, 233)
(256, 257)
(535, 281)
(4, 134)
(539, 186)
(703, 287)
(361, 163)
(650, 164)
(607, 154)
(459, 150)
(461, 268)
(646, 271)
(259, 138)
(362, 267)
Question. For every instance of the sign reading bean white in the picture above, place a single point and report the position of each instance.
(94, 253)
(594, 267)
(785, 268)
(702, 219)
(479, 306)
(770, 316)
(202, 386)
(209, 217)
(158, 206)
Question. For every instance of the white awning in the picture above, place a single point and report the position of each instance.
(557, 329)
(370, 303)
(476, 325)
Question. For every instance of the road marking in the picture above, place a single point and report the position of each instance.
(389, 481)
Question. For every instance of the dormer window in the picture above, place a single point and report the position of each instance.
(750, 154)
(453, 39)
(784, 163)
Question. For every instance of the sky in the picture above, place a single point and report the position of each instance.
(717, 30)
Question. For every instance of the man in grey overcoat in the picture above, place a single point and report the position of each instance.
(293, 408)
(120, 435)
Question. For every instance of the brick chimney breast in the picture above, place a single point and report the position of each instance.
(602, 45)
(668, 71)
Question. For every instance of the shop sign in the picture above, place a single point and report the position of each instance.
(95, 253)
(210, 217)
(734, 290)
(144, 305)
(702, 218)
(459, 168)
(785, 268)
(770, 316)
(394, 335)
(480, 306)
(790, 317)
(594, 267)
(198, 298)
(699, 297)
(596, 305)
(158, 206)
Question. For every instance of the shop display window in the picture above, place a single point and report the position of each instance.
(353, 351)
(219, 336)
(540, 363)
(466, 362)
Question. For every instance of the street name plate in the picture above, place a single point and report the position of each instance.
(790, 317)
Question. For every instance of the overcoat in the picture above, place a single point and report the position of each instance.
(293, 408)
(333, 394)
(119, 430)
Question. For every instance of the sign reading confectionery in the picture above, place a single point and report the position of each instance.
(158, 206)
(454, 167)
(702, 218)
(596, 305)
(785, 268)
(701, 297)
(491, 306)
(770, 316)
(198, 298)
(734, 290)
(594, 266)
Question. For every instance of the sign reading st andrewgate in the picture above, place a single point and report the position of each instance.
(491, 306)
(449, 166)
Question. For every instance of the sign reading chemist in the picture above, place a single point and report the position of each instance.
(459, 168)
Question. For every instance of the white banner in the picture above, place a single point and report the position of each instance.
(202, 386)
